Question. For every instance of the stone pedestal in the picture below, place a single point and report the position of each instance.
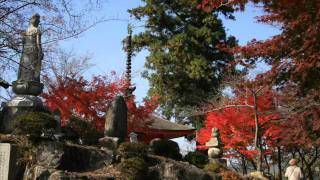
(7, 161)
(18, 105)
(27, 87)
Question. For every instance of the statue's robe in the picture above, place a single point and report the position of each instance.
(30, 63)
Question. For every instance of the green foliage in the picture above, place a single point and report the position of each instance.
(196, 158)
(212, 167)
(85, 130)
(185, 65)
(33, 123)
(166, 148)
(134, 168)
(129, 150)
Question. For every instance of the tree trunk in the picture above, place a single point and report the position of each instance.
(244, 165)
(310, 173)
(279, 162)
(266, 160)
(257, 139)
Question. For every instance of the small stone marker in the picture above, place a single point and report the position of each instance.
(133, 137)
(7, 161)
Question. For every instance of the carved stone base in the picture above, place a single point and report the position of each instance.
(18, 105)
(25, 101)
(27, 87)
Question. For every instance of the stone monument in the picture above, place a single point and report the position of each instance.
(27, 86)
(7, 161)
(215, 147)
(116, 118)
(115, 128)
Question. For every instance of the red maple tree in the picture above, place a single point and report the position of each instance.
(294, 54)
(242, 133)
(90, 99)
(294, 57)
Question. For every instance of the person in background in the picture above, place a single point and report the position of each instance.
(293, 172)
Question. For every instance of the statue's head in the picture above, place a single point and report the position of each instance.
(35, 20)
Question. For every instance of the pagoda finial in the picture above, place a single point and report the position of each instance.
(128, 49)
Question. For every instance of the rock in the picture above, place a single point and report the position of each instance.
(84, 158)
(257, 176)
(58, 175)
(116, 118)
(153, 141)
(72, 157)
(49, 154)
(169, 169)
(41, 172)
(109, 142)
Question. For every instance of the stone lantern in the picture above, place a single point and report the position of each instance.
(133, 137)
(215, 147)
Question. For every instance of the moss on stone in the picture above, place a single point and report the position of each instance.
(129, 150)
(134, 168)
(212, 167)
(85, 130)
(196, 158)
(166, 148)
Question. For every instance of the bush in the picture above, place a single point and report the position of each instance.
(129, 150)
(213, 167)
(166, 148)
(34, 123)
(85, 130)
(196, 158)
(134, 168)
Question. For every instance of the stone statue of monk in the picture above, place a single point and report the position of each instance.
(32, 55)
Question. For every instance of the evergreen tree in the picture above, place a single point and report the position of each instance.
(188, 52)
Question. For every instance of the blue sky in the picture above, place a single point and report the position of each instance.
(104, 40)
(104, 43)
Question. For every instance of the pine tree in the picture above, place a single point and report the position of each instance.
(188, 52)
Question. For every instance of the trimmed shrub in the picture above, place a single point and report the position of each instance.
(134, 168)
(33, 123)
(129, 150)
(166, 148)
(43, 109)
(196, 158)
(85, 130)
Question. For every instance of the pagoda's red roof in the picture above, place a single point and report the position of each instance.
(162, 128)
